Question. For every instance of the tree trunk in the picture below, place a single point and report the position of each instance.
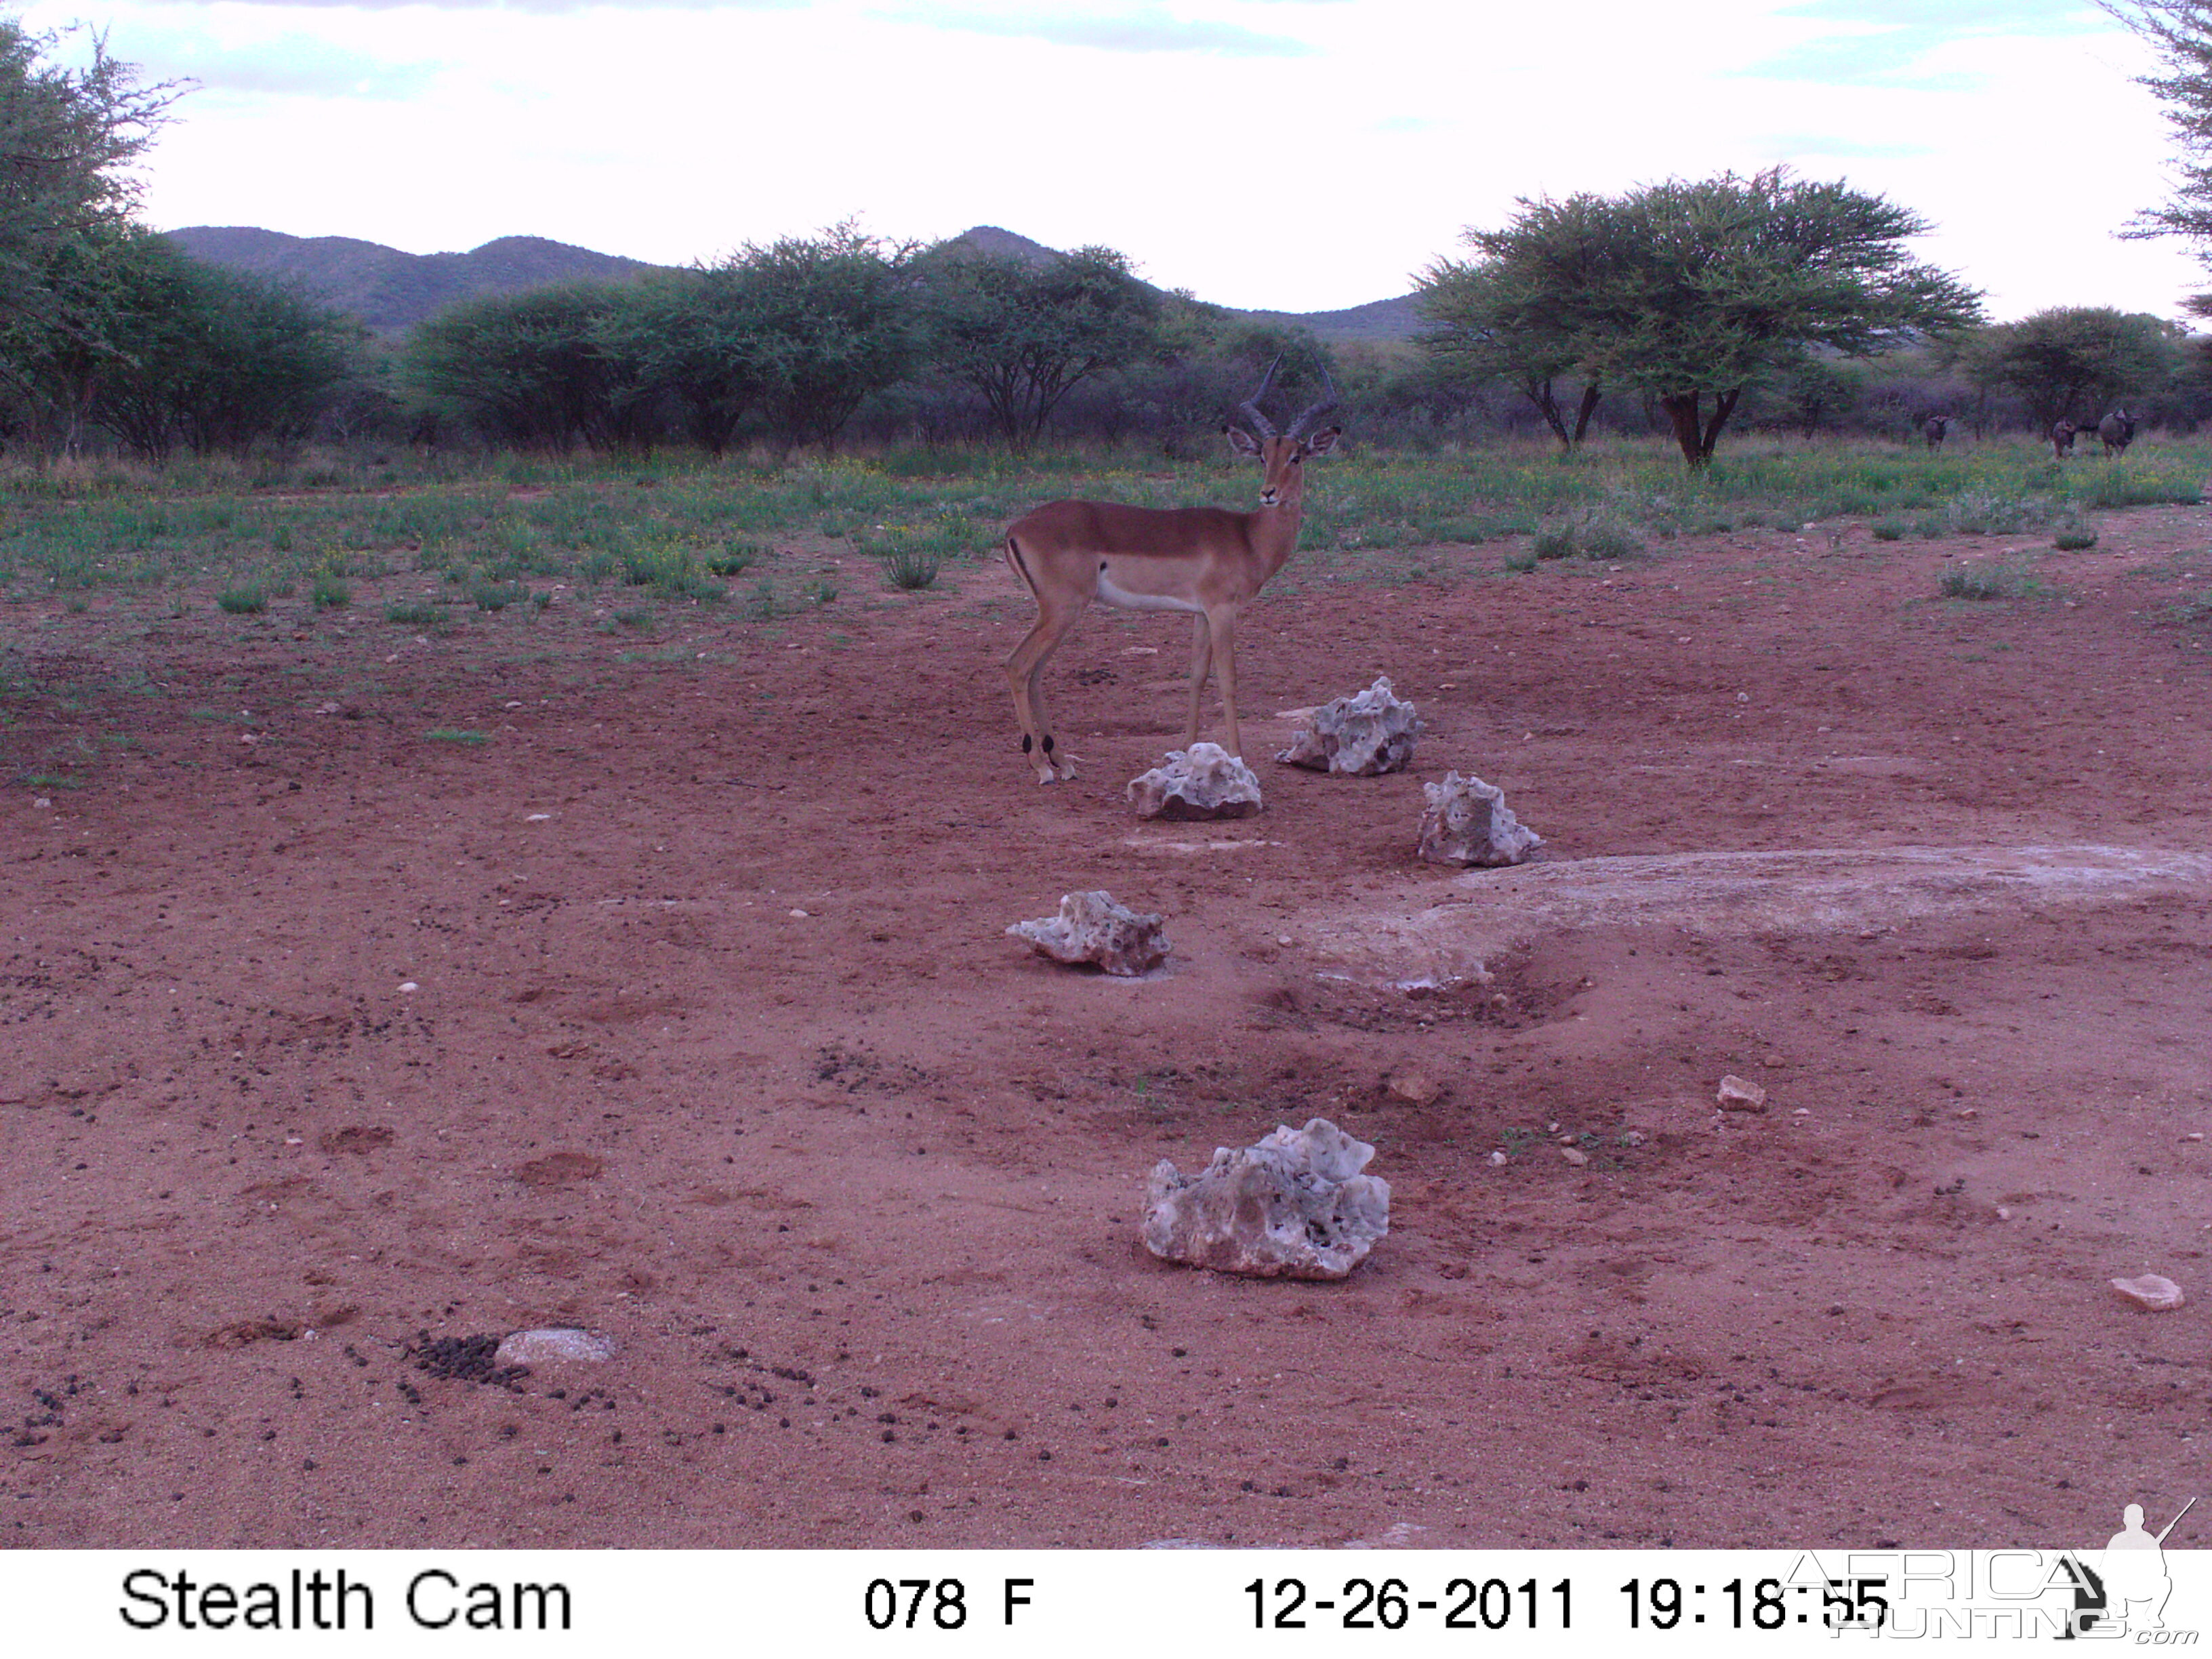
(1723, 406)
(1539, 393)
(1696, 440)
(1590, 395)
(1683, 412)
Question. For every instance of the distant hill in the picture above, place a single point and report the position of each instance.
(391, 290)
(1378, 319)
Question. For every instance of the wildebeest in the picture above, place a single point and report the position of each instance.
(1936, 428)
(2118, 430)
(2061, 440)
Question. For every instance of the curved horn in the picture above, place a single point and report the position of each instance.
(1304, 425)
(1251, 404)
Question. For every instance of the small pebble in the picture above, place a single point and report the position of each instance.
(1284, 939)
(1497, 1160)
(1738, 1095)
(537, 817)
(1575, 1155)
(801, 915)
(409, 985)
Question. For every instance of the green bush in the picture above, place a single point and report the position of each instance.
(497, 596)
(734, 560)
(1890, 530)
(1981, 581)
(910, 567)
(249, 601)
(414, 615)
(1592, 534)
(329, 593)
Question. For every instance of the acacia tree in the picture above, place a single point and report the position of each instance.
(1492, 318)
(1690, 291)
(692, 335)
(831, 319)
(67, 136)
(1025, 335)
(532, 368)
(2072, 359)
(2180, 33)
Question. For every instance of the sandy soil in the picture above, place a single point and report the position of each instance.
(717, 1047)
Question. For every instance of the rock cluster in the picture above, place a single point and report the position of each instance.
(1362, 736)
(1467, 822)
(1092, 927)
(1295, 1206)
(1202, 781)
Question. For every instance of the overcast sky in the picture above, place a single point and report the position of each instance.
(1297, 154)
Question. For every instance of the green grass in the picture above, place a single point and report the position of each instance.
(414, 615)
(329, 593)
(210, 527)
(249, 601)
(450, 734)
(1985, 582)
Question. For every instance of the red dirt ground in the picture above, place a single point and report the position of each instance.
(856, 1189)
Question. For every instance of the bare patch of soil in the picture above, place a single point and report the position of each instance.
(715, 1046)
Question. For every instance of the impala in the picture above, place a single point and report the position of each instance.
(1199, 559)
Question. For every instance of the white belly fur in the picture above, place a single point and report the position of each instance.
(1123, 600)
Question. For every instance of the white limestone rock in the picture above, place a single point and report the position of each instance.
(1467, 822)
(1092, 927)
(1202, 781)
(1362, 736)
(555, 1344)
(1295, 1206)
(2153, 1290)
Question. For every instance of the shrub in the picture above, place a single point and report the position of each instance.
(497, 596)
(329, 593)
(734, 560)
(1592, 534)
(1890, 530)
(1981, 581)
(244, 601)
(414, 615)
(910, 567)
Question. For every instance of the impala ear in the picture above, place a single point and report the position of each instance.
(1324, 440)
(1241, 440)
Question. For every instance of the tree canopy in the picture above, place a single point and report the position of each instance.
(1497, 317)
(2180, 33)
(833, 319)
(2074, 360)
(1684, 291)
(1025, 334)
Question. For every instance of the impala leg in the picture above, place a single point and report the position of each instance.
(1222, 625)
(1025, 678)
(1059, 758)
(1201, 664)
